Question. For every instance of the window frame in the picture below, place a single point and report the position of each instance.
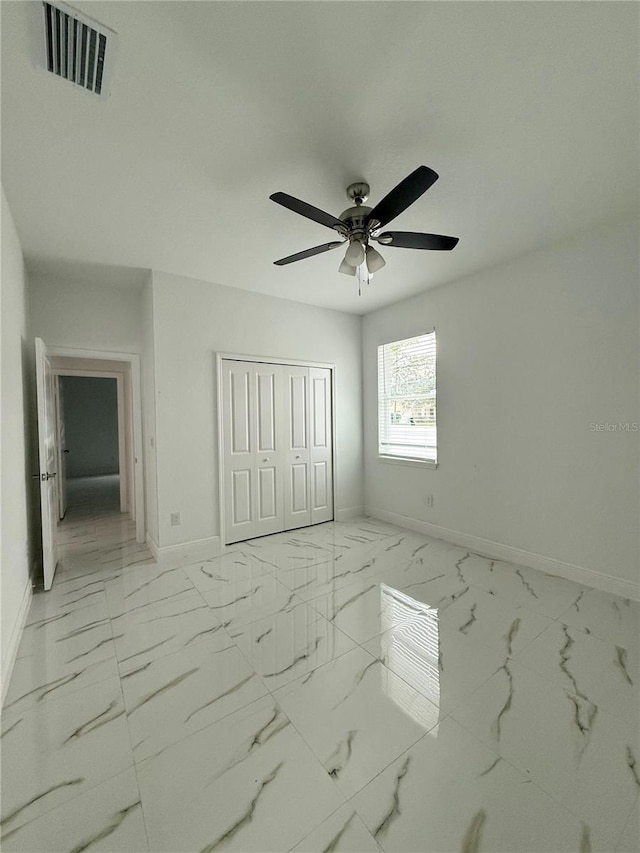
(405, 458)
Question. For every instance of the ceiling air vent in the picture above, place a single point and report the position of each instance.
(77, 48)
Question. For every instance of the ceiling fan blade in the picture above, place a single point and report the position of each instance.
(403, 195)
(308, 253)
(414, 240)
(308, 210)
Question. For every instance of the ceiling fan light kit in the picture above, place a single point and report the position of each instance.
(355, 254)
(359, 224)
(346, 268)
(375, 261)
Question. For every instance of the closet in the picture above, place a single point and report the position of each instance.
(276, 442)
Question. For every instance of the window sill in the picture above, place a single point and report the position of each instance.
(405, 460)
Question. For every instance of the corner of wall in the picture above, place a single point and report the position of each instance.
(10, 653)
(149, 410)
(34, 549)
(517, 556)
(17, 527)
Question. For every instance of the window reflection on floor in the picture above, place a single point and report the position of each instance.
(410, 647)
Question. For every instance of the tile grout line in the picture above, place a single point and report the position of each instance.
(359, 645)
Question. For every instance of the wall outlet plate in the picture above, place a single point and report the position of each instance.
(176, 519)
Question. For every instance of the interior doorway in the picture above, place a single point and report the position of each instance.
(120, 455)
(52, 364)
(94, 435)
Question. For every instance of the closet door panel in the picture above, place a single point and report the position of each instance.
(320, 412)
(320, 445)
(239, 457)
(297, 512)
(320, 480)
(240, 380)
(269, 463)
(241, 497)
(298, 390)
(266, 379)
(299, 488)
(267, 494)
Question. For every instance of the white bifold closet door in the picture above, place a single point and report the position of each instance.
(277, 448)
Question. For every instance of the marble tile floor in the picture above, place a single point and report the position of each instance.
(347, 687)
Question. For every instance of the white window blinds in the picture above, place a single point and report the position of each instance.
(407, 398)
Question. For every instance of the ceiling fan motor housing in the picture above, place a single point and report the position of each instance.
(355, 218)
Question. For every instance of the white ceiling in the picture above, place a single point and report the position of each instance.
(528, 111)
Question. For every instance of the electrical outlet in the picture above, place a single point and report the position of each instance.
(428, 501)
(176, 519)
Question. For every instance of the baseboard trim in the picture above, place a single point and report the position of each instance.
(186, 552)
(349, 513)
(499, 551)
(16, 635)
(153, 547)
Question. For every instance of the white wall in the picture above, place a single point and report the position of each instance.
(89, 315)
(16, 552)
(149, 410)
(101, 311)
(530, 355)
(192, 321)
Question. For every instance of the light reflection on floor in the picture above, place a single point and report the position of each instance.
(348, 687)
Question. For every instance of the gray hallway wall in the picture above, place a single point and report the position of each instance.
(91, 425)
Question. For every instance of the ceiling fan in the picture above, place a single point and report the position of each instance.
(359, 225)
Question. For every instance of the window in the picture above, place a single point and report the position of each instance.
(407, 399)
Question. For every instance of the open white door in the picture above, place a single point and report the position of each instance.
(61, 448)
(45, 388)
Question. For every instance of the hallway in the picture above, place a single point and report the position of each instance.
(94, 533)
